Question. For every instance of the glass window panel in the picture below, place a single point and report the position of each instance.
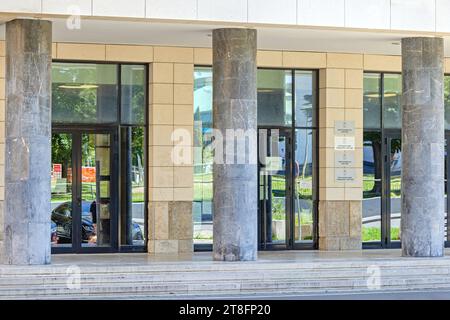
(104, 189)
(395, 186)
(304, 196)
(61, 190)
(274, 181)
(84, 93)
(305, 98)
(372, 101)
(95, 191)
(103, 159)
(133, 94)
(138, 185)
(392, 116)
(203, 156)
(133, 176)
(372, 187)
(274, 97)
(447, 101)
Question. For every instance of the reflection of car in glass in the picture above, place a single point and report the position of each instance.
(62, 219)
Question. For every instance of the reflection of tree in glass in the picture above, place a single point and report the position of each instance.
(308, 110)
(137, 145)
(137, 115)
(62, 151)
(447, 101)
(74, 104)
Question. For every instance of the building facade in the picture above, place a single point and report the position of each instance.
(135, 94)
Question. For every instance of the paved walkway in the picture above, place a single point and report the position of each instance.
(309, 256)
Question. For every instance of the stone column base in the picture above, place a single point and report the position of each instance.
(170, 227)
(340, 225)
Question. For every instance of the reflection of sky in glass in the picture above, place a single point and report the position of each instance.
(392, 101)
(304, 98)
(371, 104)
(303, 146)
(203, 91)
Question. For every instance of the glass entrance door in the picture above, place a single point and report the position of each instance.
(381, 221)
(393, 190)
(84, 191)
(275, 189)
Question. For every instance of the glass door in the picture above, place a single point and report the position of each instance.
(95, 189)
(373, 179)
(84, 195)
(62, 195)
(275, 212)
(393, 188)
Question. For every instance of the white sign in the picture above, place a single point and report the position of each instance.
(344, 128)
(344, 143)
(345, 174)
(344, 159)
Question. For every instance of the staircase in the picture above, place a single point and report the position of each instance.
(206, 279)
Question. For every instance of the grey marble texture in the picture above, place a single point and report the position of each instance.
(422, 225)
(28, 148)
(235, 107)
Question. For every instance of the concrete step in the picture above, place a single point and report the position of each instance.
(291, 275)
(114, 294)
(59, 270)
(208, 279)
(207, 288)
(208, 266)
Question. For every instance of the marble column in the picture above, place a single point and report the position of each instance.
(422, 224)
(27, 146)
(234, 108)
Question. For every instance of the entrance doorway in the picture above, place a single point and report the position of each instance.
(286, 209)
(84, 191)
(275, 165)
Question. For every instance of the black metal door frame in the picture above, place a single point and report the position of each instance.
(77, 192)
(447, 187)
(385, 242)
(263, 207)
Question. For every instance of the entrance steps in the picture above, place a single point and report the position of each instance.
(204, 279)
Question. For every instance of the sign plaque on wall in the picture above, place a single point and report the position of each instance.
(344, 159)
(344, 128)
(344, 154)
(345, 174)
(344, 143)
